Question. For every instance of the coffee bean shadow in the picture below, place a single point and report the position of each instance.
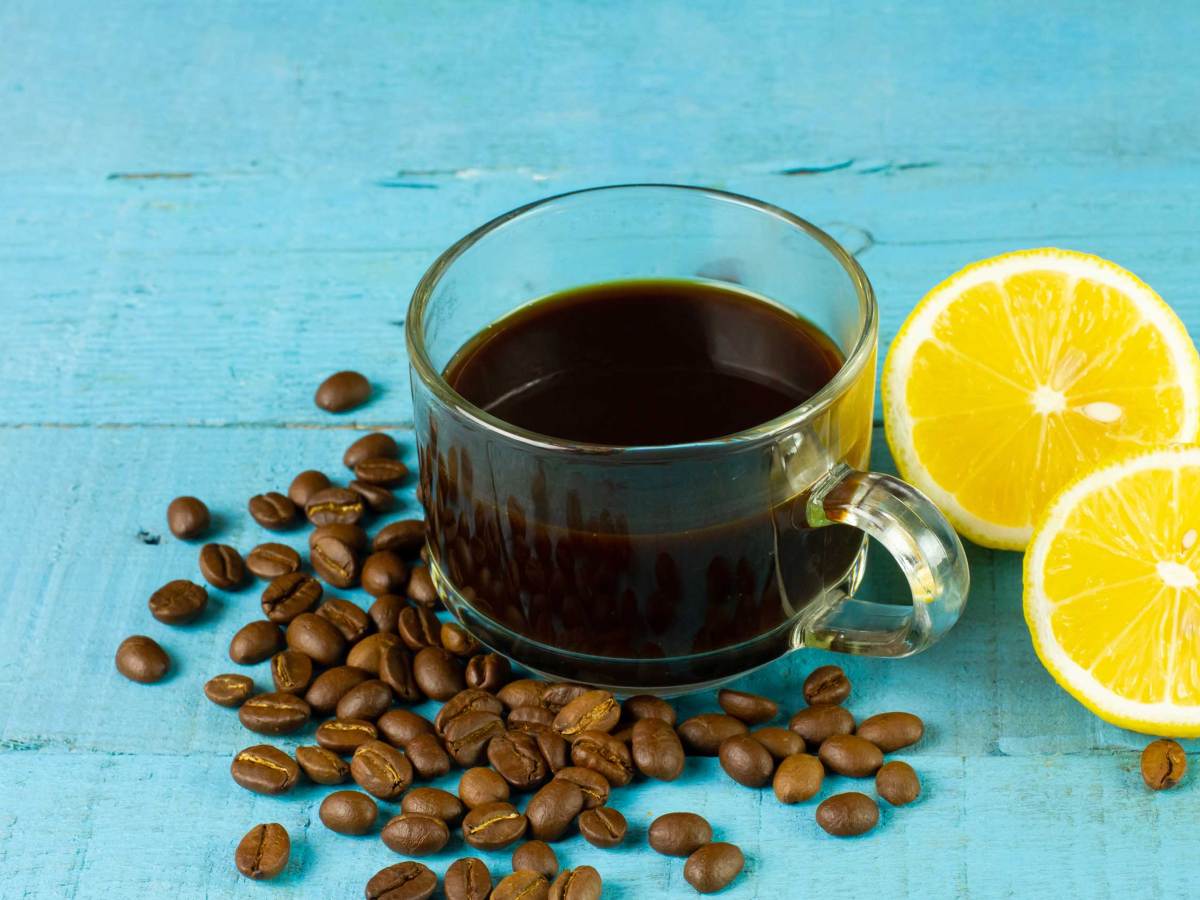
(217, 524)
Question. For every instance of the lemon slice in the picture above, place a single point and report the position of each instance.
(1112, 591)
(1020, 371)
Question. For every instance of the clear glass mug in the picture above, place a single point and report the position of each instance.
(667, 568)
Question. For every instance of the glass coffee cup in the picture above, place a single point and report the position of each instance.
(666, 568)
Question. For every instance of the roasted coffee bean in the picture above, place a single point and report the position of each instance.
(306, 484)
(378, 498)
(523, 692)
(604, 754)
(273, 510)
(384, 573)
(292, 671)
(467, 879)
(679, 833)
(222, 566)
(344, 736)
(580, 883)
(404, 881)
(385, 612)
(368, 700)
(322, 766)
(750, 708)
(187, 517)
(335, 506)
(1163, 764)
(848, 754)
(557, 694)
(428, 756)
(290, 595)
(415, 835)
(254, 642)
(395, 670)
(375, 445)
(316, 637)
(488, 671)
(381, 470)
(603, 826)
(438, 674)
(595, 787)
(702, 735)
(351, 535)
(522, 886)
(713, 867)
(746, 761)
(892, 731)
(420, 588)
(826, 686)
(457, 640)
(481, 785)
(897, 783)
(798, 778)
(265, 770)
(228, 690)
(399, 726)
(349, 812)
(465, 701)
(845, 815)
(552, 809)
(433, 802)
(346, 617)
(593, 711)
(645, 706)
(141, 659)
(263, 853)
(554, 749)
(405, 537)
(535, 856)
(516, 757)
(657, 751)
(818, 723)
(419, 628)
(368, 653)
(178, 602)
(381, 770)
(780, 742)
(270, 560)
(531, 719)
(335, 561)
(490, 826)
(342, 391)
(274, 713)
(331, 686)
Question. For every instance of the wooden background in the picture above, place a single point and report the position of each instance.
(206, 207)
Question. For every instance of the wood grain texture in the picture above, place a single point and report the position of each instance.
(206, 208)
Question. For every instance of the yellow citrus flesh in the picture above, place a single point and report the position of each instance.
(1112, 590)
(1020, 371)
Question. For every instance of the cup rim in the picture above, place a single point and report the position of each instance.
(749, 438)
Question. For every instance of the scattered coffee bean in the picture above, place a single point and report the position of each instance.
(349, 812)
(713, 867)
(604, 754)
(467, 879)
(1163, 764)
(369, 652)
(420, 588)
(375, 445)
(265, 770)
(378, 498)
(352, 536)
(798, 778)
(187, 517)
(178, 602)
(522, 886)
(552, 809)
(457, 640)
(290, 595)
(848, 754)
(384, 573)
(897, 783)
(645, 706)
(381, 470)
(516, 757)
(465, 701)
(603, 826)
(892, 731)
(331, 685)
(679, 833)
(818, 723)
(438, 674)
(335, 561)
(591, 711)
(750, 708)
(346, 617)
(702, 735)
(381, 770)
(826, 686)
(369, 700)
(657, 751)
(270, 560)
(335, 506)
(395, 670)
(342, 391)
(480, 786)
(400, 726)
(746, 761)
(317, 638)
(141, 659)
(780, 742)
(407, 880)
(580, 883)
(405, 537)
(428, 756)
(273, 510)
(385, 612)
(228, 690)
(491, 826)
(524, 692)
(254, 642)
(222, 566)
(419, 628)
(535, 856)
(488, 671)
(344, 736)
(274, 713)
(263, 853)
(531, 719)
(322, 766)
(554, 749)
(595, 787)
(433, 802)
(845, 815)
(306, 484)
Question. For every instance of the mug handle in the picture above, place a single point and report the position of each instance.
(922, 542)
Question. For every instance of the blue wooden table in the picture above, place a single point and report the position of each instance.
(206, 207)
